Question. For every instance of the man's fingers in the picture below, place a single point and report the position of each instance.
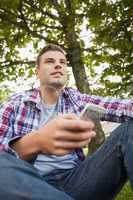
(62, 152)
(77, 124)
(71, 145)
(68, 116)
(75, 136)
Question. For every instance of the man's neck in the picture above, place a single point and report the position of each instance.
(50, 95)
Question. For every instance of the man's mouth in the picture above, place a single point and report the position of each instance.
(57, 73)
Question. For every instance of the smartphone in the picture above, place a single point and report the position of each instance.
(92, 112)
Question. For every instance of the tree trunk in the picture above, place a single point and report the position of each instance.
(98, 140)
(75, 56)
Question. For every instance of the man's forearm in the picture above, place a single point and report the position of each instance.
(27, 146)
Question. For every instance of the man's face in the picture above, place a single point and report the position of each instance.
(52, 71)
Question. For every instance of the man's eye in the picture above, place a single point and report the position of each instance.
(49, 61)
(63, 62)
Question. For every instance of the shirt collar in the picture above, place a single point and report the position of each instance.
(35, 97)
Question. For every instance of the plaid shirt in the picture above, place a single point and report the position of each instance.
(21, 114)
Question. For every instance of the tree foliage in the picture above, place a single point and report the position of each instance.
(34, 21)
(112, 24)
(61, 22)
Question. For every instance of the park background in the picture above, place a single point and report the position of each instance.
(96, 34)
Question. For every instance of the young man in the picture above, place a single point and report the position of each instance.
(41, 138)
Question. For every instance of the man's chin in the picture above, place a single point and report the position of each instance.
(55, 85)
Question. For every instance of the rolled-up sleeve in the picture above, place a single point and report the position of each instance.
(116, 110)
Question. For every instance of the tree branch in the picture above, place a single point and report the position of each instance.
(9, 63)
(23, 25)
(35, 8)
(46, 26)
(56, 4)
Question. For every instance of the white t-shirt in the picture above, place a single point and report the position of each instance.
(47, 163)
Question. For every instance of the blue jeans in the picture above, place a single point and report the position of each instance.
(99, 177)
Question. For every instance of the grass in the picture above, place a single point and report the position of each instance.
(126, 193)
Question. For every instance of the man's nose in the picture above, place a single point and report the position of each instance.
(58, 65)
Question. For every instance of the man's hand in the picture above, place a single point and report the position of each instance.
(63, 134)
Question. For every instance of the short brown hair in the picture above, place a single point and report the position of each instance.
(49, 47)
